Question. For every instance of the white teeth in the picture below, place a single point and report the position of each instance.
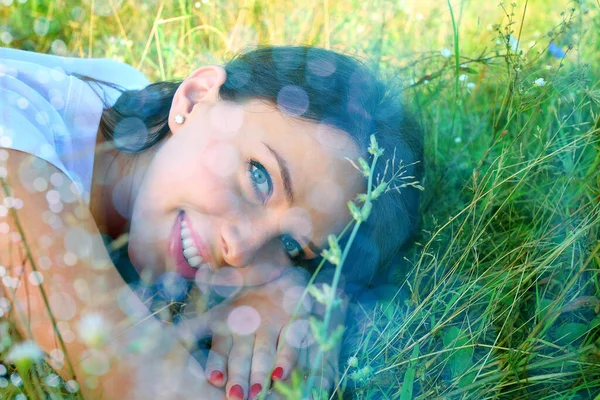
(195, 261)
(186, 233)
(190, 251)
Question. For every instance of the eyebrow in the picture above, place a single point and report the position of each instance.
(285, 175)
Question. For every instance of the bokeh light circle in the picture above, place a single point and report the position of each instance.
(243, 320)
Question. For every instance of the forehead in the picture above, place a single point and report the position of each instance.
(317, 155)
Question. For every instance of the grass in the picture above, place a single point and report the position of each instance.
(500, 296)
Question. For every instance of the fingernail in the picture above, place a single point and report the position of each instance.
(216, 376)
(255, 390)
(236, 392)
(277, 374)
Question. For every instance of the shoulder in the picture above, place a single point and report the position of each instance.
(101, 69)
(48, 114)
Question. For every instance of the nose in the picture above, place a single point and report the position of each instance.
(242, 238)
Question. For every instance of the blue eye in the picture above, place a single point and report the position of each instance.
(291, 246)
(260, 179)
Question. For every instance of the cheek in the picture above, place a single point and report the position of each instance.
(221, 159)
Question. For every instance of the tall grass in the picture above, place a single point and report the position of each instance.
(500, 296)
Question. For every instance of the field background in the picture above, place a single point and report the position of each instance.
(500, 296)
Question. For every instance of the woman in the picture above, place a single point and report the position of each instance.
(228, 176)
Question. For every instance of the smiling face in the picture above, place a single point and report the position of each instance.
(258, 189)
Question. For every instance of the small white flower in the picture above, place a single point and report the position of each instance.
(463, 77)
(72, 386)
(514, 45)
(24, 354)
(539, 82)
(93, 330)
(446, 53)
(548, 67)
(353, 361)
(52, 380)
(457, 139)
(471, 86)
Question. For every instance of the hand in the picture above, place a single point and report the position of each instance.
(251, 341)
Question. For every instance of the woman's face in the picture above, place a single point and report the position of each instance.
(258, 189)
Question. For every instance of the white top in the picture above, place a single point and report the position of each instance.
(48, 113)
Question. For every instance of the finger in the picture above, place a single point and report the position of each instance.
(238, 366)
(321, 387)
(263, 359)
(216, 364)
(293, 337)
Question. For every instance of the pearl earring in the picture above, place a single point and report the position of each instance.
(179, 119)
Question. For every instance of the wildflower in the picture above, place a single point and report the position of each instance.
(513, 43)
(457, 139)
(6, 37)
(24, 354)
(463, 77)
(362, 375)
(446, 53)
(471, 86)
(72, 386)
(353, 362)
(52, 380)
(93, 330)
(16, 379)
(539, 82)
(555, 50)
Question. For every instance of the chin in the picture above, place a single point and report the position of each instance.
(144, 258)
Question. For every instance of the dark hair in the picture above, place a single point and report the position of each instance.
(317, 85)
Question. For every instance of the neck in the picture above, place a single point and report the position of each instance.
(115, 180)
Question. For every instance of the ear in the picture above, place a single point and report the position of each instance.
(200, 87)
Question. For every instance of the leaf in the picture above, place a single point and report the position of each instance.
(467, 379)
(366, 170)
(545, 306)
(318, 294)
(570, 332)
(409, 377)
(354, 211)
(461, 360)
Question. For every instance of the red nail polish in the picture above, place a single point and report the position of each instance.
(236, 392)
(255, 390)
(277, 374)
(216, 377)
